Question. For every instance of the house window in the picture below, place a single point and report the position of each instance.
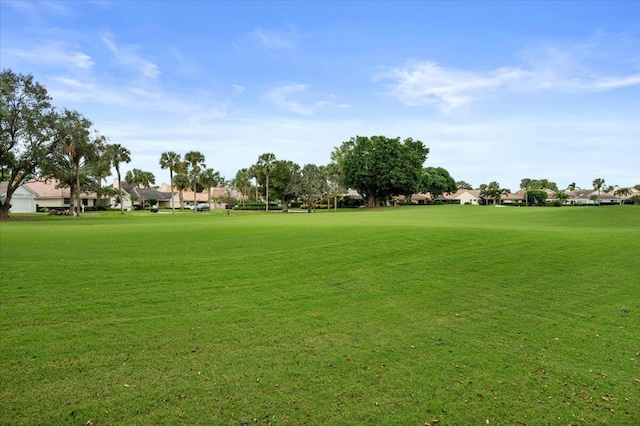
(85, 202)
(66, 201)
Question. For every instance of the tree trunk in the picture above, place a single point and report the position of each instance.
(194, 196)
(173, 208)
(4, 208)
(371, 201)
(76, 213)
(120, 191)
(267, 203)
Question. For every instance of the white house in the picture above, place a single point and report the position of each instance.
(23, 199)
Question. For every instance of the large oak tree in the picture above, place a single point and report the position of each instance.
(379, 167)
(27, 131)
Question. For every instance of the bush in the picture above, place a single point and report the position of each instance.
(257, 206)
(316, 206)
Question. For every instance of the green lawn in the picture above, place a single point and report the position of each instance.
(411, 315)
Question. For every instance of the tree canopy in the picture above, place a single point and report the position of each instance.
(27, 131)
(437, 181)
(379, 167)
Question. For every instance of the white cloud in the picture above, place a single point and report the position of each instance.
(128, 57)
(52, 54)
(281, 96)
(274, 39)
(609, 83)
(427, 83)
(423, 83)
(37, 9)
(295, 97)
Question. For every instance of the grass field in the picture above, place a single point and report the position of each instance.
(411, 315)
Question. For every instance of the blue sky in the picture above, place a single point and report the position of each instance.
(496, 90)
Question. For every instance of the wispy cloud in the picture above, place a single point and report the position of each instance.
(418, 83)
(272, 39)
(427, 83)
(52, 54)
(131, 97)
(295, 97)
(36, 9)
(128, 57)
(282, 96)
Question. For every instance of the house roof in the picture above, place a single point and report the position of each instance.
(48, 189)
(5, 185)
(147, 193)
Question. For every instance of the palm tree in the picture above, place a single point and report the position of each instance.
(133, 197)
(624, 193)
(598, 184)
(182, 182)
(170, 160)
(526, 185)
(562, 196)
(241, 183)
(100, 169)
(265, 162)
(254, 172)
(492, 191)
(79, 147)
(195, 159)
(210, 178)
(119, 154)
(141, 178)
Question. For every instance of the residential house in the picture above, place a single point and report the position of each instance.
(463, 196)
(23, 199)
(53, 197)
(591, 196)
(131, 191)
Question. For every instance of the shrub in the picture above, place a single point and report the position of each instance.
(257, 206)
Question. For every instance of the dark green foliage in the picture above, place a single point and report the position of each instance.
(257, 206)
(27, 131)
(379, 167)
(536, 197)
(284, 180)
(436, 181)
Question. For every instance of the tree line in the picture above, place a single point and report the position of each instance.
(39, 141)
